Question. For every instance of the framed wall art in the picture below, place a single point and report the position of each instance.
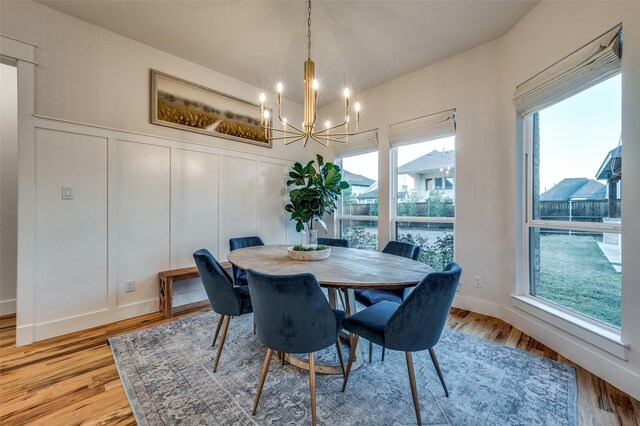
(189, 106)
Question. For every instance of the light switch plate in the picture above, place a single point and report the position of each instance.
(67, 193)
(129, 286)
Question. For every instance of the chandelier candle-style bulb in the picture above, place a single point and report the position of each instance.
(279, 89)
(308, 128)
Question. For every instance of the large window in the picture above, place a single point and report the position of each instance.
(574, 195)
(425, 181)
(358, 211)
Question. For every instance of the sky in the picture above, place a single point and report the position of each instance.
(575, 136)
(577, 133)
(367, 164)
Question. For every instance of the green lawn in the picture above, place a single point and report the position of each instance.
(574, 273)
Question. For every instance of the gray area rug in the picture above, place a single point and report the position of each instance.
(167, 374)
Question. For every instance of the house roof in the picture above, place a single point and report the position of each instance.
(611, 166)
(356, 180)
(371, 193)
(433, 161)
(574, 188)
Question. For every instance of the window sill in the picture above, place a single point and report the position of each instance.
(600, 337)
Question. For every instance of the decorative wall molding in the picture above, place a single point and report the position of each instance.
(226, 193)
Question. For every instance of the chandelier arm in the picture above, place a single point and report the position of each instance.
(341, 134)
(331, 128)
(321, 142)
(284, 138)
(295, 140)
(282, 131)
(288, 124)
(331, 139)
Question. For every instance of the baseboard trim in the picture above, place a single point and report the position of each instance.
(589, 357)
(477, 305)
(30, 333)
(7, 307)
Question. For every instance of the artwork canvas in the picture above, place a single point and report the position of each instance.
(189, 106)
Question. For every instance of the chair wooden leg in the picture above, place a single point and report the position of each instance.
(352, 352)
(370, 351)
(383, 350)
(215, 336)
(222, 339)
(254, 325)
(339, 349)
(312, 387)
(344, 304)
(263, 375)
(437, 366)
(414, 391)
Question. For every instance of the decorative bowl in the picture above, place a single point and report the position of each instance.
(309, 255)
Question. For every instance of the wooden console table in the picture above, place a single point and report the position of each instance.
(167, 278)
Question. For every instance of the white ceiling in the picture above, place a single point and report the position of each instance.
(356, 43)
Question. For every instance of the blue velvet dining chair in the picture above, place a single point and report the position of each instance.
(414, 325)
(334, 242)
(370, 297)
(240, 276)
(293, 316)
(226, 300)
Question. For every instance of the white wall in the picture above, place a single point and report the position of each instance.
(145, 196)
(479, 83)
(8, 187)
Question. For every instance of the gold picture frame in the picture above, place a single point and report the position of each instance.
(184, 105)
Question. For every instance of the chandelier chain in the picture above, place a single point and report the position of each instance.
(309, 31)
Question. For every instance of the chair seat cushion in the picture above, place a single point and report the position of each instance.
(371, 297)
(245, 299)
(370, 323)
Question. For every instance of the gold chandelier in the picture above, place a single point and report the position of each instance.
(290, 133)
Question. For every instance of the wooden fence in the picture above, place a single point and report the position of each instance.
(579, 210)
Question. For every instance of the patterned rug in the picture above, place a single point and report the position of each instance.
(167, 375)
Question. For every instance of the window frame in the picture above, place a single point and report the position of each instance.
(394, 218)
(523, 291)
(338, 217)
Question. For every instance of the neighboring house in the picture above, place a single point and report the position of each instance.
(611, 171)
(435, 170)
(370, 195)
(358, 183)
(575, 189)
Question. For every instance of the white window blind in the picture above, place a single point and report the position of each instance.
(586, 67)
(422, 129)
(361, 143)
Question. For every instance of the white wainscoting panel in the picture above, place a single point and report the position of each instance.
(143, 174)
(238, 201)
(71, 235)
(195, 204)
(272, 197)
(142, 204)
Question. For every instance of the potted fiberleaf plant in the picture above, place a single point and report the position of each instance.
(315, 192)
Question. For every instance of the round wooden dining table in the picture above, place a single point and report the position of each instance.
(346, 270)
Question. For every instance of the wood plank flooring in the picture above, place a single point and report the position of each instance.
(72, 379)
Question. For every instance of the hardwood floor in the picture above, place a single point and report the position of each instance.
(72, 379)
